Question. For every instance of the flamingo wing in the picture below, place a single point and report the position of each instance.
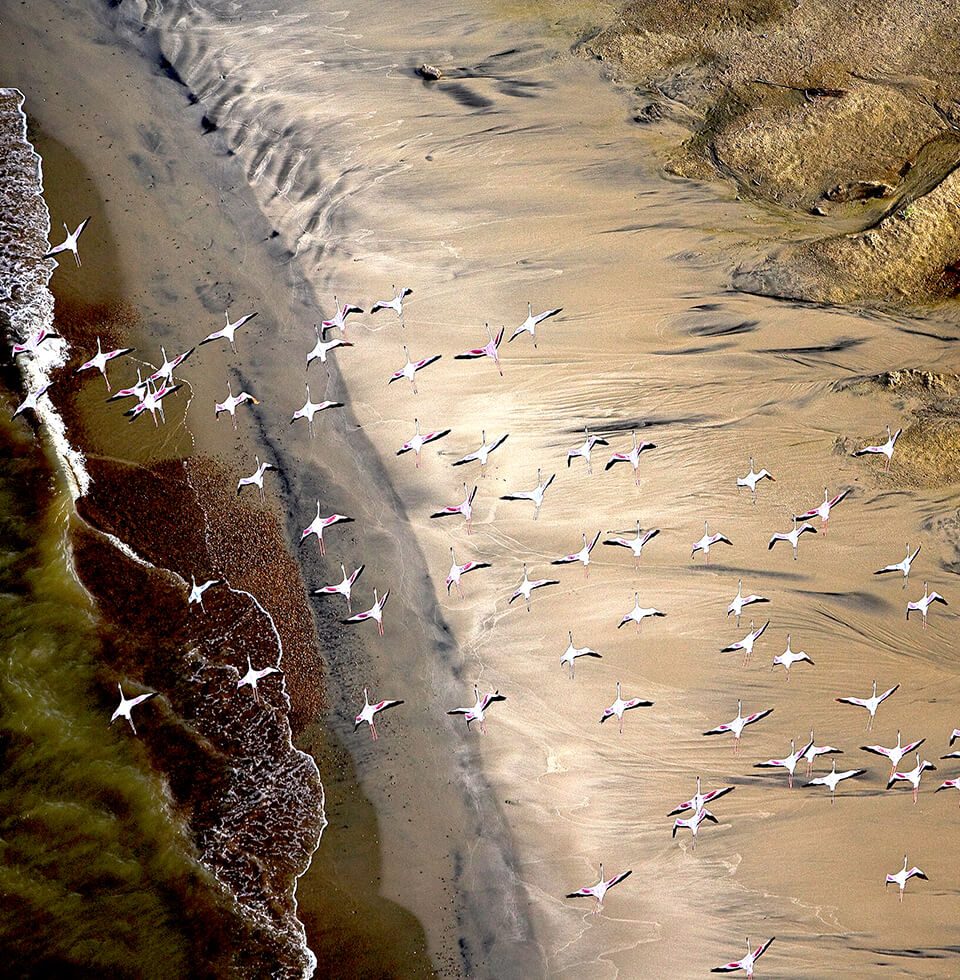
(756, 716)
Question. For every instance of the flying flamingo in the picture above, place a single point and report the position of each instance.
(600, 889)
(698, 800)
(620, 705)
(833, 778)
(322, 348)
(152, 402)
(230, 403)
(746, 644)
(32, 344)
(310, 409)
(368, 714)
(740, 600)
(228, 332)
(196, 591)
(896, 752)
(871, 703)
(738, 724)
(101, 359)
(535, 495)
(585, 449)
(707, 542)
(923, 604)
(788, 658)
(482, 454)
(886, 449)
(948, 784)
(532, 322)
(127, 705)
(789, 762)
(69, 244)
(753, 478)
(747, 963)
(636, 544)
(375, 612)
(395, 304)
(901, 566)
(340, 317)
(166, 369)
(571, 653)
(528, 585)
(639, 613)
(465, 509)
(417, 441)
(256, 479)
(632, 457)
(344, 587)
(823, 510)
(138, 390)
(792, 536)
(693, 823)
(478, 710)
(30, 402)
(582, 556)
(901, 878)
(319, 524)
(409, 370)
(815, 751)
(458, 571)
(491, 349)
(253, 677)
(912, 776)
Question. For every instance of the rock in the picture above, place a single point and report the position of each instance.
(648, 114)
(858, 190)
(429, 72)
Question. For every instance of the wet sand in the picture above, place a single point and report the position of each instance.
(522, 180)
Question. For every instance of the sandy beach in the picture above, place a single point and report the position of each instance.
(274, 159)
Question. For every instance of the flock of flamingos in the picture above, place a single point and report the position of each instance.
(149, 392)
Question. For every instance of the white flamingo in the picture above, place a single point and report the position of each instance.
(166, 369)
(230, 403)
(339, 319)
(585, 449)
(30, 402)
(632, 457)
(636, 544)
(912, 776)
(409, 370)
(815, 751)
(570, 655)
(639, 613)
(32, 344)
(70, 243)
(395, 304)
(528, 585)
(753, 478)
(738, 724)
(901, 566)
(197, 591)
(322, 348)
(823, 510)
(127, 705)
(582, 556)
(344, 587)
(886, 449)
(621, 705)
(740, 600)
(253, 677)
(482, 454)
(535, 495)
(310, 409)
(693, 823)
(375, 612)
(699, 799)
(749, 961)
(101, 359)
(369, 712)
(418, 440)
(152, 402)
(229, 332)
(834, 778)
(923, 604)
(256, 478)
(137, 391)
(747, 643)
(465, 508)
(491, 349)
(319, 524)
(789, 762)
(871, 703)
(600, 889)
(478, 710)
(894, 753)
(532, 322)
(458, 571)
(790, 657)
(792, 536)
(707, 542)
(901, 878)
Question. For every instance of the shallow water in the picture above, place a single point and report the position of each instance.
(519, 178)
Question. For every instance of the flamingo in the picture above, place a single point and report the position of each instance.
(912, 776)
(344, 587)
(535, 495)
(127, 705)
(753, 478)
(740, 600)
(166, 369)
(901, 566)
(923, 604)
(252, 677)
(369, 712)
(693, 823)
(901, 878)
(458, 571)
(490, 349)
(823, 510)
(948, 784)
(196, 591)
(417, 441)
(101, 359)
(896, 752)
(699, 799)
(886, 449)
(482, 454)
(953, 737)
(32, 344)
(748, 962)
(632, 457)
(138, 390)
(582, 556)
(871, 703)
(571, 653)
(477, 712)
(310, 409)
(340, 317)
(600, 889)
(834, 778)
(528, 585)
(69, 244)
(738, 724)
(319, 524)
(639, 613)
(229, 332)
(465, 509)
(152, 402)
(815, 751)
(746, 644)
(792, 536)
(532, 322)
(230, 403)
(395, 304)
(585, 449)
(620, 705)
(322, 348)
(636, 544)
(375, 612)
(409, 370)
(789, 762)
(30, 402)
(707, 542)
(256, 478)
(788, 658)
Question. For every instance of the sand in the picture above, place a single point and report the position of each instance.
(520, 180)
